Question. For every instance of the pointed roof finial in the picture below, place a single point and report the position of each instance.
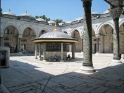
(9, 10)
(26, 12)
(55, 27)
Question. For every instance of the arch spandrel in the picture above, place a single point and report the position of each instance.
(106, 23)
(42, 32)
(33, 27)
(80, 31)
(31, 30)
(121, 22)
(10, 24)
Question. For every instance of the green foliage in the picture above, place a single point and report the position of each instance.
(48, 19)
(36, 16)
(58, 21)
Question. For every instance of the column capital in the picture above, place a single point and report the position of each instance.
(86, 0)
(115, 12)
(87, 3)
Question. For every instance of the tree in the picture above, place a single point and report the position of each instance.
(43, 17)
(58, 21)
(48, 19)
(36, 17)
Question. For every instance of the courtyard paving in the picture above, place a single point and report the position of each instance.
(29, 75)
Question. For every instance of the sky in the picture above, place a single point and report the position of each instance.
(53, 9)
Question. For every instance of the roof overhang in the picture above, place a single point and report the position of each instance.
(55, 40)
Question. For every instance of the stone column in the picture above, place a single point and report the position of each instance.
(61, 52)
(35, 50)
(0, 41)
(40, 51)
(73, 51)
(1, 36)
(1, 85)
(82, 46)
(97, 45)
(44, 52)
(19, 47)
(70, 48)
(87, 38)
(115, 14)
(19, 42)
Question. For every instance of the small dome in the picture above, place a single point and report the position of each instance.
(79, 18)
(69, 22)
(55, 34)
(9, 13)
(107, 11)
(26, 14)
(94, 13)
(40, 19)
(60, 24)
(51, 22)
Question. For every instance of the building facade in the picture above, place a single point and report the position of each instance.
(17, 32)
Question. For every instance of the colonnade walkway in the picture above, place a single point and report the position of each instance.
(29, 75)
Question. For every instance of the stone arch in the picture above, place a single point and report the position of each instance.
(78, 45)
(76, 29)
(9, 24)
(42, 32)
(10, 38)
(102, 24)
(105, 32)
(121, 22)
(27, 37)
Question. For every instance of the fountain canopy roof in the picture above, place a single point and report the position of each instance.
(55, 36)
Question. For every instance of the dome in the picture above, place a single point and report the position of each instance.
(79, 18)
(55, 34)
(107, 11)
(51, 22)
(60, 24)
(26, 14)
(69, 22)
(94, 13)
(40, 19)
(9, 13)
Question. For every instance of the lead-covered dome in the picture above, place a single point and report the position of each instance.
(26, 16)
(40, 19)
(69, 22)
(79, 18)
(94, 13)
(9, 13)
(107, 11)
(55, 34)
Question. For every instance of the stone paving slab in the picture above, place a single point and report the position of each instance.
(28, 75)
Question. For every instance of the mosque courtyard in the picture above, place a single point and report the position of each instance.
(29, 75)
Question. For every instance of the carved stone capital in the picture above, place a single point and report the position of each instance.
(86, 0)
(115, 12)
